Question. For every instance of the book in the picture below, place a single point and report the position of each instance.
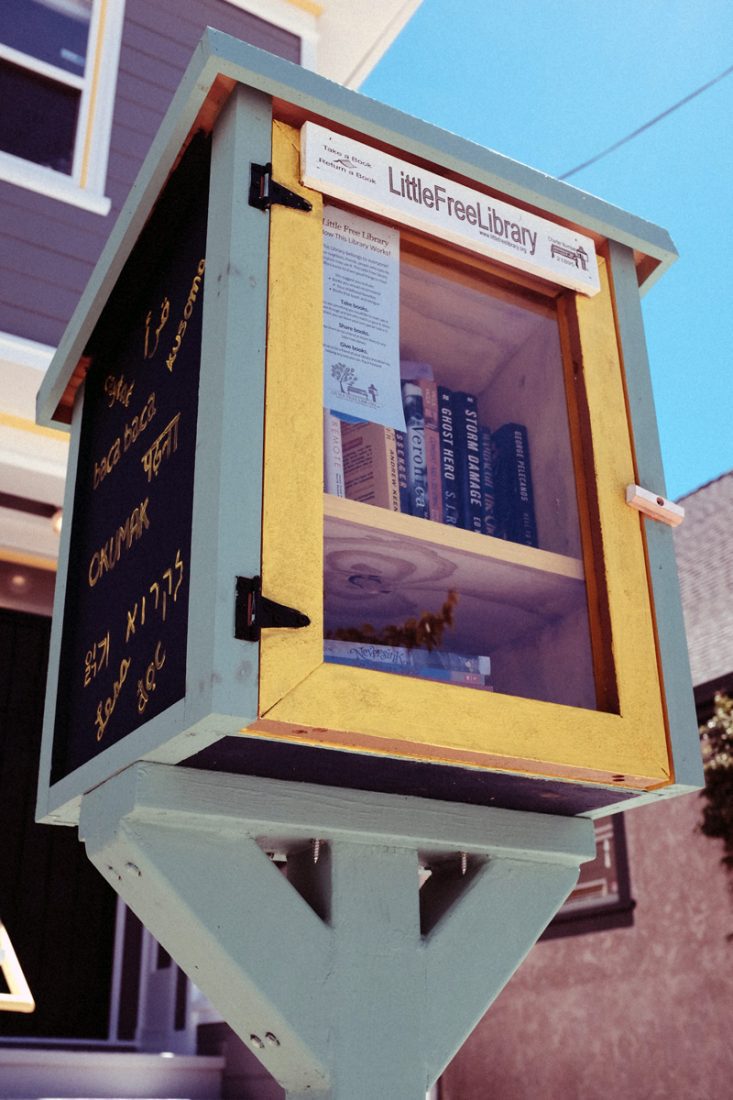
(488, 494)
(468, 459)
(333, 455)
(449, 481)
(370, 465)
(429, 392)
(515, 514)
(443, 665)
(417, 474)
(402, 478)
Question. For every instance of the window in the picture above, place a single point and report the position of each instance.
(58, 67)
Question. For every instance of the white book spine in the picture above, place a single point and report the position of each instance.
(333, 455)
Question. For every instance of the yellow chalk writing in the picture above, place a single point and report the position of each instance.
(106, 558)
(96, 659)
(138, 424)
(146, 686)
(150, 347)
(161, 448)
(117, 389)
(187, 314)
(106, 709)
(171, 580)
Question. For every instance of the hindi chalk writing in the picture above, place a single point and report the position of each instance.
(161, 448)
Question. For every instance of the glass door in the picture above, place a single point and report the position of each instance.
(452, 546)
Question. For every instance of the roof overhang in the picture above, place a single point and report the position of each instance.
(219, 63)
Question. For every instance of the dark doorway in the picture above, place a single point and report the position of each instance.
(57, 909)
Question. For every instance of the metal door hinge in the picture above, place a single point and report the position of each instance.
(264, 191)
(253, 611)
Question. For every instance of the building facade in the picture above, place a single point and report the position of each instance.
(639, 1011)
(85, 86)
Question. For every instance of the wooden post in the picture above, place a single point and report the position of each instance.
(343, 976)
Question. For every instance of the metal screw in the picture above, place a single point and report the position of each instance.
(272, 1039)
(256, 1042)
(464, 862)
(316, 848)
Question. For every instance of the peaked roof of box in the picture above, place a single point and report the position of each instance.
(219, 62)
(704, 547)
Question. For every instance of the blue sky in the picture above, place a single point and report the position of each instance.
(553, 82)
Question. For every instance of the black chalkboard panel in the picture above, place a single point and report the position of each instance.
(123, 651)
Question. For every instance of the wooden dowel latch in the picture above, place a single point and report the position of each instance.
(654, 506)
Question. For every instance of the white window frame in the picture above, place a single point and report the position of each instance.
(85, 186)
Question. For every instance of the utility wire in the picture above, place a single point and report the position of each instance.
(647, 125)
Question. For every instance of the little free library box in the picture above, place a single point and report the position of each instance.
(354, 409)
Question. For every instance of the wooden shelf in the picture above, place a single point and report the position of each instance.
(383, 566)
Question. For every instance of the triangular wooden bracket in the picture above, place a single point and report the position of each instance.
(342, 981)
(20, 998)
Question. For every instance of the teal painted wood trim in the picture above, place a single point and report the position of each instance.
(154, 792)
(218, 53)
(222, 671)
(368, 991)
(509, 903)
(684, 739)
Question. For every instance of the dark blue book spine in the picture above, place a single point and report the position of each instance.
(417, 473)
(449, 473)
(513, 480)
(468, 459)
(402, 478)
(488, 495)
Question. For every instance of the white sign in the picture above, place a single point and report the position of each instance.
(394, 188)
(361, 318)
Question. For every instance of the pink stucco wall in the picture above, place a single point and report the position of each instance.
(641, 1013)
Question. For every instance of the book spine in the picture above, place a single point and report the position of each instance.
(488, 495)
(449, 480)
(425, 672)
(453, 662)
(333, 455)
(416, 469)
(468, 459)
(370, 465)
(335, 649)
(399, 657)
(404, 484)
(429, 392)
(514, 493)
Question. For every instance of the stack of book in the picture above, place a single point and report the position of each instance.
(447, 466)
(441, 665)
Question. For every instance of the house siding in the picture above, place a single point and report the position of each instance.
(48, 248)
